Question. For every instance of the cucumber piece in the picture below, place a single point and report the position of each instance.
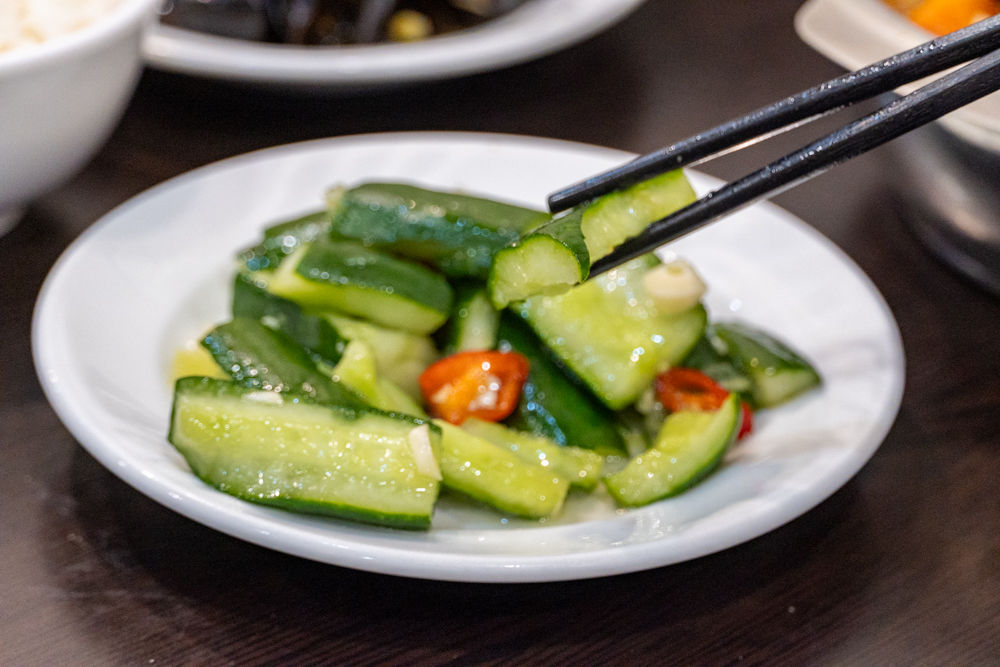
(259, 357)
(617, 216)
(558, 255)
(348, 278)
(552, 405)
(706, 358)
(690, 445)
(580, 466)
(194, 359)
(550, 260)
(283, 239)
(456, 233)
(356, 465)
(320, 338)
(778, 373)
(357, 371)
(610, 334)
(473, 323)
(497, 476)
(400, 356)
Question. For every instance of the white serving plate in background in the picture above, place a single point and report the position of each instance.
(157, 270)
(537, 28)
(858, 33)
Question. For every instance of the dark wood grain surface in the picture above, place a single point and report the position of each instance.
(900, 567)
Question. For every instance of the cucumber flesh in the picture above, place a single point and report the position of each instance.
(610, 334)
(283, 239)
(473, 323)
(549, 261)
(194, 359)
(347, 278)
(690, 445)
(552, 405)
(498, 477)
(580, 466)
(615, 217)
(320, 460)
(358, 372)
(778, 373)
(322, 340)
(400, 356)
(263, 358)
(456, 233)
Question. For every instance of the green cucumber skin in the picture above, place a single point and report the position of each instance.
(777, 372)
(457, 233)
(496, 476)
(551, 404)
(283, 239)
(338, 263)
(474, 321)
(259, 357)
(609, 333)
(320, 338)
(651, 475)
(566, 230)
(219, 467)
(706, 358)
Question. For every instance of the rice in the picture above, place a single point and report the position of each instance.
(27, 22)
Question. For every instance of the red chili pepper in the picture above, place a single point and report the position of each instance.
(747, 425)
(485, 385)
(689, 389)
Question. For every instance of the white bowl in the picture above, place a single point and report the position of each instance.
(59, 101)
(534, 29)
(856, 33)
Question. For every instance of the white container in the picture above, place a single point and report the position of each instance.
(59, 101)
(857, 33)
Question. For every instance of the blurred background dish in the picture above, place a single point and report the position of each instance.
(505, 32)
(948, 173)
(61, 97)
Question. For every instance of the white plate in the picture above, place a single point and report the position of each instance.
(857, 33)
(156, 271)
(537, 28)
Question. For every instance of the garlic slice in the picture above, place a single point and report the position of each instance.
(423, 455)
(674, 287)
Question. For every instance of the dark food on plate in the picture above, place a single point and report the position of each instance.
(405, 340)
(332, 22)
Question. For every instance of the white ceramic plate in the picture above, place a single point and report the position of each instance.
(857, 33)
(535, 29)
(156, 272)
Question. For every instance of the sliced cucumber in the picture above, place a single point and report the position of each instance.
(550, 260)
(194, 359)
(473, 323)
(580, 466)
(312, 332)
(263, 358)
(357, 371)
(609, 332)
(558, 254)
(348, 278)
(283, 239)
(287, 451)
(497, 476)
(690, 445)
(617, 216)
(552, 405)
(778, 373)
(457, 233)
(706, 358)
(400, 356)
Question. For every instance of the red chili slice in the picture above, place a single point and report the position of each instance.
(485, 385)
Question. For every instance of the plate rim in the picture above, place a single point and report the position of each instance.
(360, 67)
(435, 565)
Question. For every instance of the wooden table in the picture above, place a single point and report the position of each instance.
(900, 567)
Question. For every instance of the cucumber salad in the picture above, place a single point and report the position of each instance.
(404, 343)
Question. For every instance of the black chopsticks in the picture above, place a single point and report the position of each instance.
(956, 89)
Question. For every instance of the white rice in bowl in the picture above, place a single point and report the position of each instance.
(27, 22)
